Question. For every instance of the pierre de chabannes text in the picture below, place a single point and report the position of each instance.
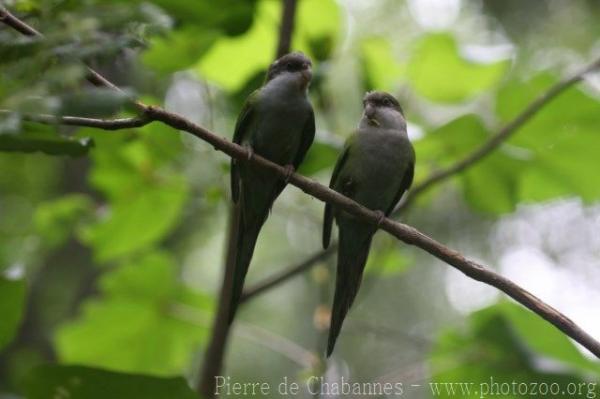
(316, 385)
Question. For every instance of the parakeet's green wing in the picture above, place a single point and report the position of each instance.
(308, 136)
(407, 180)
(241, 127)
(328, 216)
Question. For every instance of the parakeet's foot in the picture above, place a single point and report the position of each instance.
(289, 171)
(380, 217)
(250, 153)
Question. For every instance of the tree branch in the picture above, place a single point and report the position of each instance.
(92, 76)
(287, 273)
(286, 28)
(219, 334)
(401, 231)
(15, 23)
(470, 160)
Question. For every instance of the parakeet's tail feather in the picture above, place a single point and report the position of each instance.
(352, 257)
(247, 235)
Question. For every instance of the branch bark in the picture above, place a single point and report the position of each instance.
(403, 232)
(286, 28)
(219, 335)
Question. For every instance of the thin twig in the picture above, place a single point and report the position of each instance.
(15, 23)
(285, 274)
(93, 77)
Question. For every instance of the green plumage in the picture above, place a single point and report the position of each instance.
(375, 169)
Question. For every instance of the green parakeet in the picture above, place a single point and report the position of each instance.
(375, 169)
(276, 122)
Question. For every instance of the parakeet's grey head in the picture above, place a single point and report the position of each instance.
(383, 110)
(295, 67)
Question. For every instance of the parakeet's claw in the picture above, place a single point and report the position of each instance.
(380, 217)
(250, 153)
(289, 171)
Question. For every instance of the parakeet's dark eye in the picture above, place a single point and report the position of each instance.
(289, 66)
(387, 102)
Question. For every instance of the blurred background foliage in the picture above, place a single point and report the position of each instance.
(111, 243)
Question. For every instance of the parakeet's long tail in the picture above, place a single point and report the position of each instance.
(352, 256)
(247, 234)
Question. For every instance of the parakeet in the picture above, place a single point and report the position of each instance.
(276, 122)
(375, 168)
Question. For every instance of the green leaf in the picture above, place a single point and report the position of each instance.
(33, 137)
(544, 338)
(489, 186)
(492, 347)
(145, 309)
(316, 21)
(380, 68)
(55, 220)
(143, 219)
(232, 16)
(93, 102)
(145, 193)
(560, 142)
(320, 156)
(75, 382)
(12, 302)
(179, 50)
(438, 71)
(253, 51)
(388, 259)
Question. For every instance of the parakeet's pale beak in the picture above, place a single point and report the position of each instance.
(306, 75)
(370, 114)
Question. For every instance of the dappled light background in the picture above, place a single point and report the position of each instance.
(116, 257)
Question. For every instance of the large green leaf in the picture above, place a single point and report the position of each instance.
(74, 382)
(55, 220)
(439, 72)
(561, 141)
(179, 49)
(503, 343)
(12, 302)
(234, 60)
(491, 184)
(47, 144)
(320, 156)
(19, 136)
(552, 155)
(145, 321)
(146, 195)
(232, 16)
(381, 69)
(140, 221)
(544, 338)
